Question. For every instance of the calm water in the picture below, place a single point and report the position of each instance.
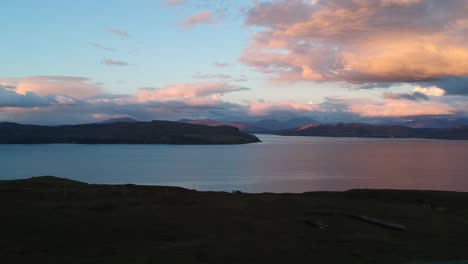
(279, 164)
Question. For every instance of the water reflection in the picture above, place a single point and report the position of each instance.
(279, 164)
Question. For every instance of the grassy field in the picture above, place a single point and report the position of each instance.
(54, 220)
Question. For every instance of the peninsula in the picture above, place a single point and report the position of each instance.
(154, 132)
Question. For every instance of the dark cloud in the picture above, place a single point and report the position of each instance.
(7, 87)
(414, 96)
(452, 85)
(9, 98)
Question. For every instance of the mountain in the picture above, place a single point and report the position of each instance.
(431, 122)
(245, 127)
(266, 126)
(118, 120)
(154, 132)
(273, 124)
(377, 131)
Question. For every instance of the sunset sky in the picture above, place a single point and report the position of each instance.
(66, 62)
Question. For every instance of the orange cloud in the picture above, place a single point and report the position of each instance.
(359, 41)
(395, 108)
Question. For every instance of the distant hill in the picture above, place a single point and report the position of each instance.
(377, 131)
(118, 120)
(273, 124)
(266, 126)
(432, 122)
(154, 132)
(245, 127)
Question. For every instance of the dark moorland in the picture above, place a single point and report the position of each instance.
(154, 132)
(55, 220)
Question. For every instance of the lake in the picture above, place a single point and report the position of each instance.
(279, 164)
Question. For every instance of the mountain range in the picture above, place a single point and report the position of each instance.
(207, 131)
(310, 127)
(266, 126)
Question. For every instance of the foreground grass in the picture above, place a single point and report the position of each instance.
(53, 220)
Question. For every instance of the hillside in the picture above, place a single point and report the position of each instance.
(55, 220)
(118, 120)
(245, 127)
(155, 132)
(265, 126)
(377, 131)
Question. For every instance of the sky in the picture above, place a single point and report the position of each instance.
(66, 62)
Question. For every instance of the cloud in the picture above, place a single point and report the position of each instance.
(220, 64)
(452, 85)
(397, 108)
(211, 76)
(395, 105)
(168, 104)
(41, 104)
(418, 93)
(221, 76)
(407, 96)
(359, 41)
(77, 87)
(400, 2)
(429, 91)
(120, 33)
(279, 108)
(183, 91)
(175, 2)
(112, 62)
(7, 87)
(202, 17)
(9, 98)
(99, 46)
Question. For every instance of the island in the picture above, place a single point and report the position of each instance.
(56, 220)
(154, 132)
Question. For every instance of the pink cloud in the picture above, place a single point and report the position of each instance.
(77, 87)
(359, 41)
(120, 33)
(184, 91)
(112, 62)
(262, 108)
(203, 17)
(175, 2)
(395, 108)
